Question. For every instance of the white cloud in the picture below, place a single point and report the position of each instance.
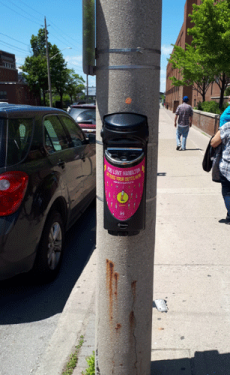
(166, 49)
(19, 61)
(74, 60)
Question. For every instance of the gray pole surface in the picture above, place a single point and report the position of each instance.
(127, 78)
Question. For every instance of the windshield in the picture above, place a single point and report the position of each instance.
(84, 115)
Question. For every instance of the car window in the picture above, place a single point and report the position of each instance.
(83, 115)
(19, 137)
(75, 132)
(55, 136)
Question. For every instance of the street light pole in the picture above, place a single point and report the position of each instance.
(59, 52)
(48, 67)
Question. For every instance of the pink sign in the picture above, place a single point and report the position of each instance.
(123, 189)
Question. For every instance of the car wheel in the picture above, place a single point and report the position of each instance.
(50, 249)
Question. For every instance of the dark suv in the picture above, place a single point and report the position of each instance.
(47, 179)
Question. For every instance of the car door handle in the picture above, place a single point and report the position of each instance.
(61, 163)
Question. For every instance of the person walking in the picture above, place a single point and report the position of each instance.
(184, 115)
(223, 137)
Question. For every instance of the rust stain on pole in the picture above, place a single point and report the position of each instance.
(133, 286)
(116, 277)
(109, 284)
(117, 328)
(132, 323)
(132, 319)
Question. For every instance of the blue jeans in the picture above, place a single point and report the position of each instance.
(225, 192)
(182, 131)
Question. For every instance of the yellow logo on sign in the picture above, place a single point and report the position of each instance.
(122, 197)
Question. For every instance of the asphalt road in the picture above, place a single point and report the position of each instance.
(29, 313)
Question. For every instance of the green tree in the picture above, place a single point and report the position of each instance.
(35, 67)
(74, 85)
(211, 38)
(193, 68)
(35, 72)
(58, 71)
(38, 43)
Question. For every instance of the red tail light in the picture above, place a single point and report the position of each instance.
(12, 191)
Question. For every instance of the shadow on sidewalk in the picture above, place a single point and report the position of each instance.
(203, 363)
(194, 149)
(22, 301)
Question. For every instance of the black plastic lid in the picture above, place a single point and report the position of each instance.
(125, 122)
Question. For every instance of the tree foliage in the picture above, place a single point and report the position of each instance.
(193, 68)
(36, 73)
(74, 85)
(35, 66)
(211, 38)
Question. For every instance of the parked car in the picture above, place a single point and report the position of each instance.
(85, 116)
(70, 106)
(47, 179)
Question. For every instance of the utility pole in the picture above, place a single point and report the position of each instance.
(48, 66)
(128, 38)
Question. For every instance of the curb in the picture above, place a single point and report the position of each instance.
(71, 323)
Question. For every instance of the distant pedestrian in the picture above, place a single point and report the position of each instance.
(184, 114)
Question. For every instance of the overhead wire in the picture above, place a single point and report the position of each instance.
(64, 41)
(18, 13)
(24, 11)
(31, 8)
(14, 39)
(52, 24)
(8, 44)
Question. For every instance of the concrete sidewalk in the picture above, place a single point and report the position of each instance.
(191, 273)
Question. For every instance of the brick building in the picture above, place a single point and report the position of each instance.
(174, 95)
(12, 89)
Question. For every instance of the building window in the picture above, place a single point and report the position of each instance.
(8, 65)
(3, 95)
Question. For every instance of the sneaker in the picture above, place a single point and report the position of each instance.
(227, 220)
(178, 147)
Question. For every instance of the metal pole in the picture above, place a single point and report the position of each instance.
(127, 76)
(48, 67)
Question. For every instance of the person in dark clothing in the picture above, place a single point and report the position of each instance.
(184, 115)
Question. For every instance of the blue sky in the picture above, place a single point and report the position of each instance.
(22, 18)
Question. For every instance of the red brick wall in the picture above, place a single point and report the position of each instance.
(8, 75)
(176, 93)
(208, 122)
(18, 93)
